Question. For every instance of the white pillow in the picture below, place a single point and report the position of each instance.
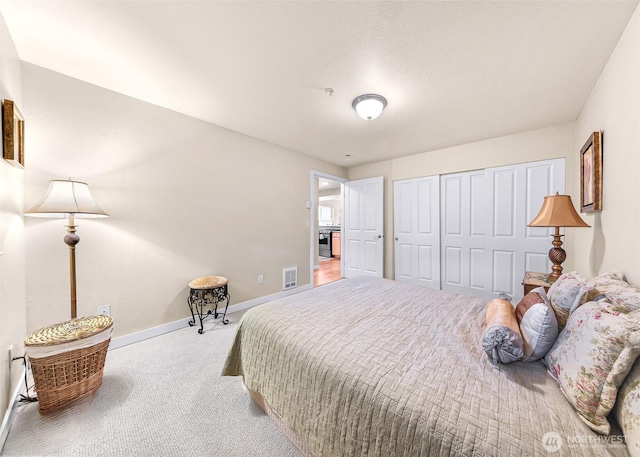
(538, 324)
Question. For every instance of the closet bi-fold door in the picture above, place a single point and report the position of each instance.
(484, 245)
(463, 211)
(516, 193)
(417, 231)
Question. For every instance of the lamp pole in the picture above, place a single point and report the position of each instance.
(71, 239)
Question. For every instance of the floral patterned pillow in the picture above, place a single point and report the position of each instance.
(591, 358)
(623, 296)
(567, 293)
(627, 410)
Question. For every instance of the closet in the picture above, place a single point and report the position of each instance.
(467, 232)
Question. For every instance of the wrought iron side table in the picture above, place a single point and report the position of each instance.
(208, 291)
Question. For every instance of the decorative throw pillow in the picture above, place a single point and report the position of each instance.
(538, 324)
(566, 294)
(623, 296)
(591, 358)
(627, 409)
(502, 340)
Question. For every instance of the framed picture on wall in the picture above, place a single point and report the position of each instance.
(591, 174)
(13, 134)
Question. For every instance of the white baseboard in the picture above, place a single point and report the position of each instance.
(176, 325)
(11, 411)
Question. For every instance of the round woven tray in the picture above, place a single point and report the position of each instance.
(66, 332)
(208, 282)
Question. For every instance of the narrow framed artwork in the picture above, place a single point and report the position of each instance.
(13, 134)
(591, 174)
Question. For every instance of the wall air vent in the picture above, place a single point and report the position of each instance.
(289, 278)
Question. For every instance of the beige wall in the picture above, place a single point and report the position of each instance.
(12, 261)
(186, 199)
(548, 143)
(612, 244)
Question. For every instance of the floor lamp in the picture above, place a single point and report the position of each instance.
(557, 211)
(70, 199)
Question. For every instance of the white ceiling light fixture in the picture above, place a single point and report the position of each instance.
(369, 106)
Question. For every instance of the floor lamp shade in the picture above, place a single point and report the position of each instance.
(557, 211)
(68, 199)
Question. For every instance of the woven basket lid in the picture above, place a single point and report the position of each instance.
(66, 332)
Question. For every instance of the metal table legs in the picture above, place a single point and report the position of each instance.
(199, 299)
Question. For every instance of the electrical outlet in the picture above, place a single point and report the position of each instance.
(260, 279)
(106, 310)
(10, 355)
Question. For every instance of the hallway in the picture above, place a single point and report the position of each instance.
(329, 271)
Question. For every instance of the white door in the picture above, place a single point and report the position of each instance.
(463, 210)
(516, 193)
(417, 230)
(363, 228)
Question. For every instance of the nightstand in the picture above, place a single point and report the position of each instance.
(532, 280)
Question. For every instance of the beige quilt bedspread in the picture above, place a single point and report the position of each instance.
(368, 366)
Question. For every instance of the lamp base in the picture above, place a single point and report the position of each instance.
(557, 255)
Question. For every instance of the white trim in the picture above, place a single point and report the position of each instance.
(11, 411)
(136, 337)
(182, 323)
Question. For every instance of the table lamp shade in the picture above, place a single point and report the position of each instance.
(557, 211)
(66, 198)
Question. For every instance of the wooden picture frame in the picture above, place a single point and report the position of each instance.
(13, 134)
(591, 174)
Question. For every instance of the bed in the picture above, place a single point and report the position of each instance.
(369, 366)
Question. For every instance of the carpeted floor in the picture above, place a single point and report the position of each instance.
(160, 397)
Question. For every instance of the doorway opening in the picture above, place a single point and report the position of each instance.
(326, 224)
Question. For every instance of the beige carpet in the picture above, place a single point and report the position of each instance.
(161, 397)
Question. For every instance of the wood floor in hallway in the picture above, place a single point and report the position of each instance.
(329, 271)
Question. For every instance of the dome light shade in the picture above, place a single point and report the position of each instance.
(369, 106)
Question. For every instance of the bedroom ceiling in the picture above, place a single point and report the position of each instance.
(453, 72)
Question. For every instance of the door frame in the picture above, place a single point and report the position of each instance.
(313, 215)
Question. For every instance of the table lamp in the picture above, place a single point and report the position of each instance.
(557, 211)
(70, 199)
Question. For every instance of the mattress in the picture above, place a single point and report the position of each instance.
(369, 366)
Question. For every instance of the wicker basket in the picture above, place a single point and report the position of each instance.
(74, 370)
